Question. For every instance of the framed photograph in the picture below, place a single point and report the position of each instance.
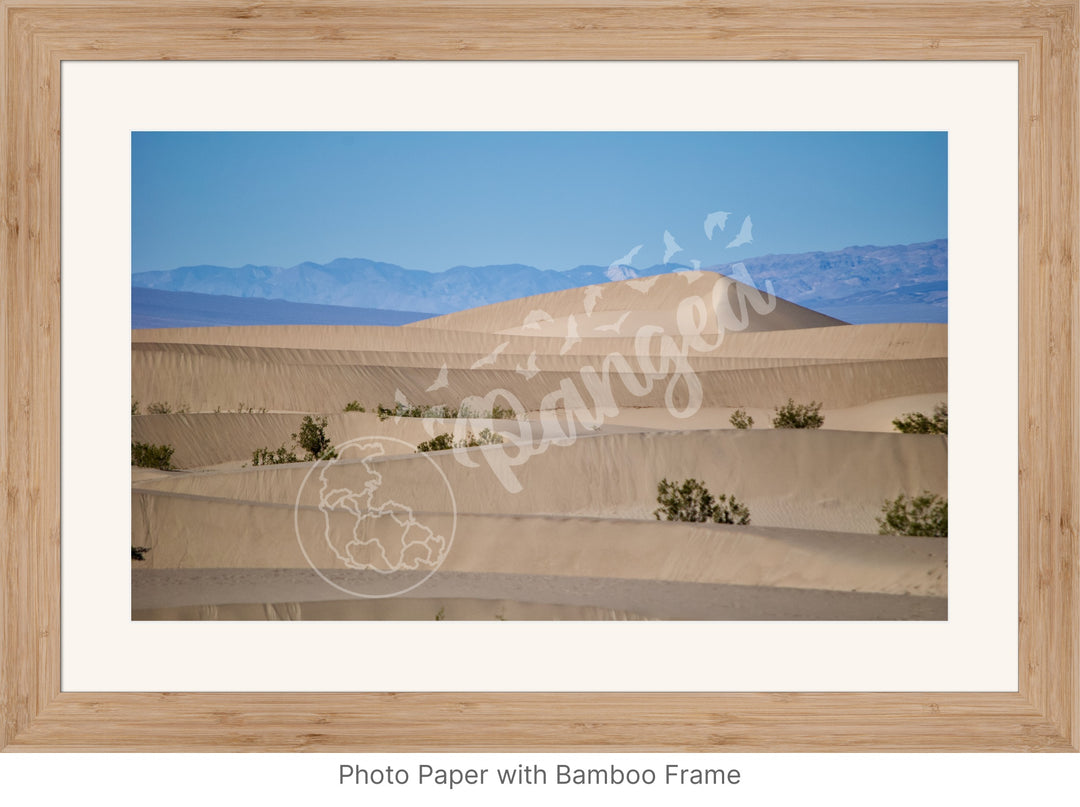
(622, 438)
(627, 447)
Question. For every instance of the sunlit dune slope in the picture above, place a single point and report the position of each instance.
(720, 302)
(824, 480)
(842, 366)
(248, 550)
(208, 439)
(616, 388)
(905, 340)
(204, 384)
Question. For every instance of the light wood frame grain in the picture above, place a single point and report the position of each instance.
(38, 34)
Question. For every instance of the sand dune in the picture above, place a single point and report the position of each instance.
(210, 439)
(657, 299)
(555, 523)
(185, 532)
(218, 545)
(206, 439)
(206, 382)
(826, 480)
(305, 369)
(454, 596)
(909, 340)
(397, 609)
(875, 416)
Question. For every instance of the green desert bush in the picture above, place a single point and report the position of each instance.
(691, 501)
(139, 552)
(134, 407)
(500, 413)
(149, 455)
(400, 410)
(444, 441)
(918, 423)
(486, 438)
(741, 420)
(312, 438)
(798, 416)
(440, 442)
(162, 408)
(926, 514)
(264, 456)
(354, 406)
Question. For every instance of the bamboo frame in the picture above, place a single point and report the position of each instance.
(38, 34)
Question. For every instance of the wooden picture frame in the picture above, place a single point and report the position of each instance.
(37, 35)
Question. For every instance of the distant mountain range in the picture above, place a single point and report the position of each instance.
(858, 284)
(154, 308)
(904, 283)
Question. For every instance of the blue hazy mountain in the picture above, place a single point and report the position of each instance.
(360, 282)
(859, 284)
(154, 308)
(905, 283)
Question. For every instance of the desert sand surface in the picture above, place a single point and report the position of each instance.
(612, 388)
(606, 310)
(875, 416)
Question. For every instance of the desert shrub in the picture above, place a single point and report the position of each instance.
(486, 438)
(444, 412)
(134, 407)
(312, 438)
(264, 456)
(918, 423)
(495, 413)
(400, 410)
(440, 442)
(925, 514)
(163, 408)
(139, 552)
(691, 501)
(941, 418)
(741, 420)
(149, 455)
(445, 441)
(354, 406)
(503, 413)
(798, 416)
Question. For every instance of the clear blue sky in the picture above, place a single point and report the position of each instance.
(551, 200)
